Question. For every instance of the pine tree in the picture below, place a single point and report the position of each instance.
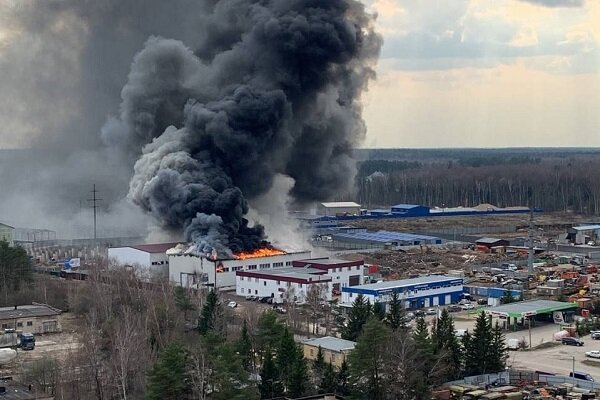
(396, 313)
(342, 378)
(421, 335)
(445, 342)
(208, 318)
(299, 377)
(166, 380)
(182, 300)
(287, 355)
(244, 347)
(329, 383)
(319, 363)
(477, 354)
(498, 350)
(367, 360)
(359, 314)
(269, 386)
(379, 311)
(268, 334)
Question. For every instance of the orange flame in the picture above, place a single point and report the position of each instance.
(264, 252)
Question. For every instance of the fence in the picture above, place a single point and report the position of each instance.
(514, 377)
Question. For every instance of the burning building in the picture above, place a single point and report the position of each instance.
(188, 268)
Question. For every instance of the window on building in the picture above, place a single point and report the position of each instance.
(288, 263)
(4, 326)
(251, 266)
(265, 283)
(19, 324)
(358, 267)
(241, 278)
(226, 269)
(312, 353)
(256, 292)
(300, 285)
(265, 266)
(332, 358)
(278, 282)
(277, 264)
(256, 280)
(349, 269)
(289, 284)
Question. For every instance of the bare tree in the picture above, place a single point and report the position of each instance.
(315, 295)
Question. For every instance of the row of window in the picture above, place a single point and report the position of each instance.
(341, 269)
(257, 280)
(19, 325)
(254, 266)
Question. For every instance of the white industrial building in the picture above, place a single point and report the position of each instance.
(424, 291)
(189, 269)
(292, 284)
(146, 260)
(285, 284)
(343, 273)
(339, 208)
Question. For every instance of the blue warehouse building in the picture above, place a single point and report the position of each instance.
(413, 210)
(424, 291)
(382, 239)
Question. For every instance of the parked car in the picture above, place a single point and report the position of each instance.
(593, 354)
(499, 382)
(232, 304)
(595, 335)
(571, 341)
(409, 316)
(468, 306)
(250, 298)
(454, 308)
(264, 299)
(419, 313)
(431, 311)
(581, 375)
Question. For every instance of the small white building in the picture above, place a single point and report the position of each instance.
(191, 270)
(339, 208)
(424, 291)
(343, 273)
(285, 284)
(147, 260)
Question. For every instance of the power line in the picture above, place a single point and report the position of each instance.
(94, 201)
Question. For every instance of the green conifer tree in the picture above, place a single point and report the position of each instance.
(270, 385)
(210, 311)
(477, 352)
(360, 312)
(166, 380)
(498, 350)
(446, 343)
(298, 379)
(244, 347)
(396, 314)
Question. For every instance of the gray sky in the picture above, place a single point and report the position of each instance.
(453, 73)
(486, 73)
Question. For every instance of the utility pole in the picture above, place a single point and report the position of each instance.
(94, 201)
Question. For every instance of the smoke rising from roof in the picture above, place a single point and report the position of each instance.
(215, 106)
(277, 96)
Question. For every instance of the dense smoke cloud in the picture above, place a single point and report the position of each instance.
(224, 97)
(277, 94)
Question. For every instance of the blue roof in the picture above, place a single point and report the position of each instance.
(407, 206)
(385, 236)
(387, 285)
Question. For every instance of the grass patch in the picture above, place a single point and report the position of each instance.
(545, 345)
(591, 362)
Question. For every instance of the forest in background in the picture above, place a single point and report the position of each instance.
(549, 178)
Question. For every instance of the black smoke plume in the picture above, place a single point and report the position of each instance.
(273, 88)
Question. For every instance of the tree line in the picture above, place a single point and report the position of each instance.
(551, 184)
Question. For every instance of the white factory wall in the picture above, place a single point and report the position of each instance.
(247, 286)
(183, 267)
(342, 275)
(146, 265)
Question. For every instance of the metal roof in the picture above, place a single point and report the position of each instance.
(489, 240)
(8, 226)
(331, 343)
(587, 228)
(28, 311)
(405, 282)
(407, 206)
(305, 273)
(154, 248)
(385, 236)
(529, 307)
(334, 204)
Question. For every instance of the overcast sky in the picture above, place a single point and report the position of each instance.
(453, 73)
(486, 73)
